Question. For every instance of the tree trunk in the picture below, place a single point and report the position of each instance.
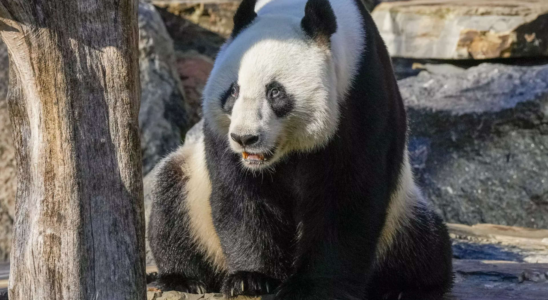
(74, 101)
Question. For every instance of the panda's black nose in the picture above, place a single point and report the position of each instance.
(245, 140)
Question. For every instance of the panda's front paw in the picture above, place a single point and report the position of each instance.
(174, 282)
(305, 288)
(297, 288)
(244, 283)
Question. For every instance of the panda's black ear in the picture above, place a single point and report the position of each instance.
(319, 20)
(244, 16)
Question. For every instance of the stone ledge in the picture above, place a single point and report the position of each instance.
(465, 29)
(493, 279)
(474, 279)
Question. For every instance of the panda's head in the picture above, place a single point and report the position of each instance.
(273, 89)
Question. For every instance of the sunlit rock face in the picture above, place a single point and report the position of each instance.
(163, 114)
(479, 143)
(471, 29)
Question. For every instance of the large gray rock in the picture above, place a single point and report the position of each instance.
(194, 69)
(479, 143)
(163, 116)
(464, 29)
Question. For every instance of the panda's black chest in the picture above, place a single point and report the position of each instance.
(254, 218)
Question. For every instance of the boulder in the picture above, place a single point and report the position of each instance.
(469, 29)
(195, 26)
(194, 69)
(499, 280)
(479, 143)
(163, 115)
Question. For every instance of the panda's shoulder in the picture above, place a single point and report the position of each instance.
(172, 173)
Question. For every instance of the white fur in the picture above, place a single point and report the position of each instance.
(403, 204)
(275, 47)
(198, 191)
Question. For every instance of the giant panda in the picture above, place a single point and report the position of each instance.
(297, 181)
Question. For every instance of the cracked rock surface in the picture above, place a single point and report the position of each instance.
(163, 114)
(479, 143)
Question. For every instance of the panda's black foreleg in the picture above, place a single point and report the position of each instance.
(257, 250)
(181, 264)
(336, 252)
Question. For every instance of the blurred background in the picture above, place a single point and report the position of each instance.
(473, 75)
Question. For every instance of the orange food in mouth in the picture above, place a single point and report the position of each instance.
(252, 156)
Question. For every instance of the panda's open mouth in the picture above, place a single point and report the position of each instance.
(256, 158)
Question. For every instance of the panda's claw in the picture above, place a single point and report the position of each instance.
(175, 282)
(251, 284)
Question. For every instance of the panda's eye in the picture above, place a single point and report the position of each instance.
(281, 102)
(235, 90)
(229, 97)
(274, 93)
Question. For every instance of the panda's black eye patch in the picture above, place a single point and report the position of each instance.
(229, 98)
(234, 91)
(281, 102)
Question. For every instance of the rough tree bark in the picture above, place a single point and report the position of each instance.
(74, 101)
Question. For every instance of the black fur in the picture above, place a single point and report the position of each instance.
(245, 226)
(170, 240)
(312, 226)
(319, 20)
(244, 16)
(228, 100)
(425, 239)
(251, 284)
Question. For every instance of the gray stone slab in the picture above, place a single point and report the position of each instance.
(469, 29)
(479, 143)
